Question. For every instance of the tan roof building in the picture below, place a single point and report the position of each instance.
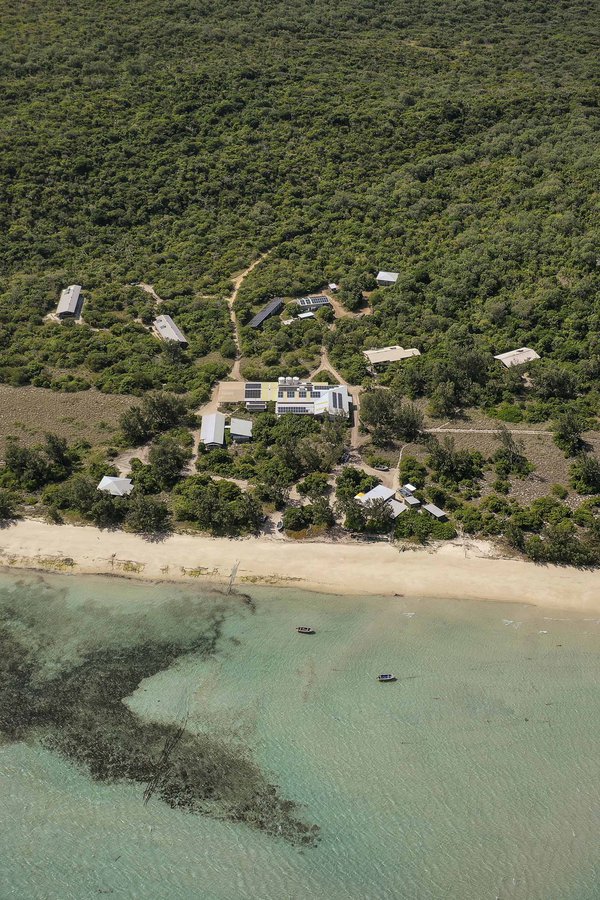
(385, 355)
(517, 357)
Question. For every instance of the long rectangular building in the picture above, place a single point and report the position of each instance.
(167, 330)
(273, 306)
(290, 395)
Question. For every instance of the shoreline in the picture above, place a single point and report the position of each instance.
(452, 571)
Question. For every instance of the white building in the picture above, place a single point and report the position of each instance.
(517, 357)
(387, 279)
(70, 302)
(377, 493)
(212, 430)
(385, 355)
(165, 328)
(118, 487)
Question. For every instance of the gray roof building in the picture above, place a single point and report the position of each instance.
(384, 279)
(240, 429)
(397, 508)
(166, 329)
(118, 487)
(212, 430)
(70, 302)
(272, 307)
(434, 511)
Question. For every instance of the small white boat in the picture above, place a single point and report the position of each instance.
(386, 678)
(305, 629)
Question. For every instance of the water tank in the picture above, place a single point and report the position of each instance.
(296, 379)
(281, 379)
(289, 380)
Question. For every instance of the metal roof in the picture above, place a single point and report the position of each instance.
(516, 357)
(377, 493)
(313, 302)
(390, 354)
(434, 510)
(241, 427)
(168, 330)
(272, 307)
(397, 508)
(118, 487)
(388, 276)
(212, 429)
(69, 301)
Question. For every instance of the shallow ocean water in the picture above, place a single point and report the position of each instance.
(474, 776)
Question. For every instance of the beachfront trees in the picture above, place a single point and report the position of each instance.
(220, 507)
(314, 485)
(167, 457)
(147, 515)
(8, 506)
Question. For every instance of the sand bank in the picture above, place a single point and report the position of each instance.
(454, 571)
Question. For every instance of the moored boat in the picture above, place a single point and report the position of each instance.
(305, 629)
(385, 678)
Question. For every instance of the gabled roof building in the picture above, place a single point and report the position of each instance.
(70, 302)
(212, 430)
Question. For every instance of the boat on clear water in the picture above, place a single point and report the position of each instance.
(385, 678)
(305, 629)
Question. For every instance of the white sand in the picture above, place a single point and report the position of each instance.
(453, 571)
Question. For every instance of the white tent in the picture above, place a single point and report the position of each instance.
(118, 487)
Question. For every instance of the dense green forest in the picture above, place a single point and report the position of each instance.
(172, 142)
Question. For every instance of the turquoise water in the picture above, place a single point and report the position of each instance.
(474, 776)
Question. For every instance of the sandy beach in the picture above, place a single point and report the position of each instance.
(453, 571)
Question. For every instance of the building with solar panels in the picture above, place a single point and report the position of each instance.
(309, 304)
(272, 308)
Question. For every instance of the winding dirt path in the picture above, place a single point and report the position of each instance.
(238, 280)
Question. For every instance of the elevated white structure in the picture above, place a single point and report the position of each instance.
(166, 329)
(385, 355)
(212, 430)
(517, 357)
(118, 487)
(70, 302)
(386, 279)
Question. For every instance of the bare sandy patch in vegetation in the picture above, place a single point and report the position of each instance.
(29, 412)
